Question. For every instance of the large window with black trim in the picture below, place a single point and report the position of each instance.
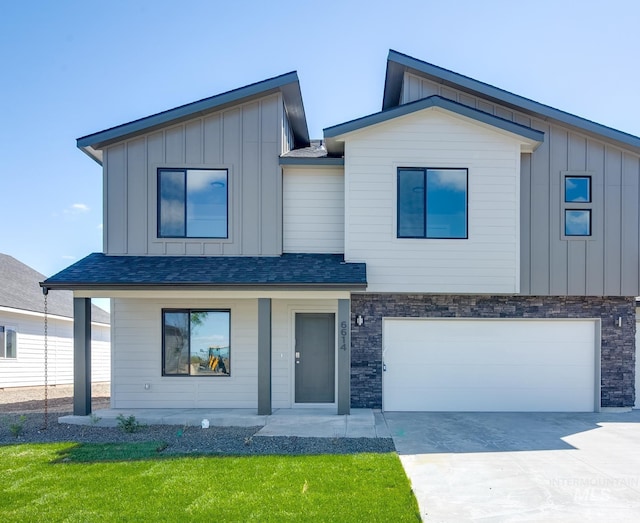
(8, 342)
(432, 203)
(196, 342)
(193, 203)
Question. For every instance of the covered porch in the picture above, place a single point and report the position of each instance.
(266, 300)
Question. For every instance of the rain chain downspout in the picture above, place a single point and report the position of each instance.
(45, 291)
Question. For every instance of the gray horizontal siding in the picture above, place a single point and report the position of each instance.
(607, 264)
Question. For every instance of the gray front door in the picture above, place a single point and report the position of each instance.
(315, 358)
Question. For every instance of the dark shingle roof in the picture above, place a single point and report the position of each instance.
(19, 289)
(289, 270)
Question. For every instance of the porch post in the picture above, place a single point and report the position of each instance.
(264, 356)
(81, 356)
(344, 356)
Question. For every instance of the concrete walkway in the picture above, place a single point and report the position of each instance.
(319, 423)
(496, 467)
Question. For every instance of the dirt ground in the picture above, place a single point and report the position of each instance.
(24, 400)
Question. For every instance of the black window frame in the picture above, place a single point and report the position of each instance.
(584, 206)
(425, 170)
(583, 176)
(189, 374)
(566, 234)
(185, 170)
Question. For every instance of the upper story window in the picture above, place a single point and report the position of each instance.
(196, 342)
(8, 342)
(432, 203)
(192, 203)
(577, 205)
(577, 189)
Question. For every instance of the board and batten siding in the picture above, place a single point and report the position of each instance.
(486, 262)
(137, 358)
(27, 369)
(605, 264)
(313, 209)
(245, 139)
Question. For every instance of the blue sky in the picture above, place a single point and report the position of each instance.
(71, 68)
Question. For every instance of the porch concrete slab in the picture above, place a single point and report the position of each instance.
(551, 467)
(320, 423)
(317, 423)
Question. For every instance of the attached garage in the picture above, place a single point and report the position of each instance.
(491, 365)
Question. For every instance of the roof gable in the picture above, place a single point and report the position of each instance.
(398, 63)
(336, 146)
(287, 84)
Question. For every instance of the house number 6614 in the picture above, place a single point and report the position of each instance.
(343, 335)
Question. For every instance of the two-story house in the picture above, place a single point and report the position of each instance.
(463, 249)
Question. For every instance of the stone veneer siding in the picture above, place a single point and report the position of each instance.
(617, 344)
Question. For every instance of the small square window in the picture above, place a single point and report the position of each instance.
(577, 222)
(577, 189)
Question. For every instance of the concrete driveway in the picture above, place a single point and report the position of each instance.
(521, 466)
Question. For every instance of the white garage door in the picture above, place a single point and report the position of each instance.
(490, 365)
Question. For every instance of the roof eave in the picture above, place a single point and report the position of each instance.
(94, 154)
(287, 84)
(398, 63)
(320, 161)
(334, 142)
(89, 286)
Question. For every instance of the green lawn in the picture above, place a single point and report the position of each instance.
(58, 482)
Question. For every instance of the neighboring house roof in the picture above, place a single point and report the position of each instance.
(19, 289)
(99, 271)
(398, 63)
(337, 147)
(287, 84)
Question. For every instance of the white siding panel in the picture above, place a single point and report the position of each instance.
(28, 368)
(486, 262)
(138, 358)
(313, 212)
(138, 355)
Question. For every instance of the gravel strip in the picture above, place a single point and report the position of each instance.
(28, 402)
(184, 440)
(23, 400)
